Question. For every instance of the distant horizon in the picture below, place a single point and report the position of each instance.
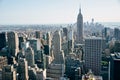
(58, 23)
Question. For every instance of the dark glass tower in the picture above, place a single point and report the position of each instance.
(3, 38)
(114, 67)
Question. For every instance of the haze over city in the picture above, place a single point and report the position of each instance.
(57, 11)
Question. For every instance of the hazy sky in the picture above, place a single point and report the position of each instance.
(57, 11)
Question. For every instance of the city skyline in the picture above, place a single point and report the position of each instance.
(51, 40)
(57, 12)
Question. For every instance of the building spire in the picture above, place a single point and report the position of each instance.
(80, 8)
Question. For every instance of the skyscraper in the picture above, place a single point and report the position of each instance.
(114, 67)
(29, 55)
(56, 45)
(3, 39)
(21, 40)
(65, 31)
(48, 40)
(70, 40)
(80, 28)
(13, 43)
(93, 54)
(117, 33)
(38, 34)
(56, 69)
(35, 45)
(8, 73)
(22, 69)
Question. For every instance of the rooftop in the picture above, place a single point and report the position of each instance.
(94, 37)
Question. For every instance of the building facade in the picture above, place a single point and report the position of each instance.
(93, 54)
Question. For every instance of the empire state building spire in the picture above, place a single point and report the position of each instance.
(80, 9)
(79, 38)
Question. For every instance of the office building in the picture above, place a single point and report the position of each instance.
(65, 31)
(70, 41)
(48, 39)
(56, 45)
(35, 45)
(29, 55)
(46, 49)
(13, 43)
(73, 67)
(21, 40)
(38, 34)
(3, 40)
(22, 69)
(93, 54)
(8, 73)
(114, 66)
(117, 33)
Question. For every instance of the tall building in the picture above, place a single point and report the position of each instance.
(56, 69)
(117, 33)
(48, 40)
(21, 40)
(41, 59)
(29, 55)
(47, 46)
(79, 28)
(70, 41)
(56, 45)
(93, 54)
(114, 67)
(65, 31)
(3, 39)
(35, 45)
(71, 65)
(22, 69)
(8, 73)
(13, 43)
(38, 34)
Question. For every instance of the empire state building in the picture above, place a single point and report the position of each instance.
(79, 28)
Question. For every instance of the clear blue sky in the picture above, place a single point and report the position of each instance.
(57, 11)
